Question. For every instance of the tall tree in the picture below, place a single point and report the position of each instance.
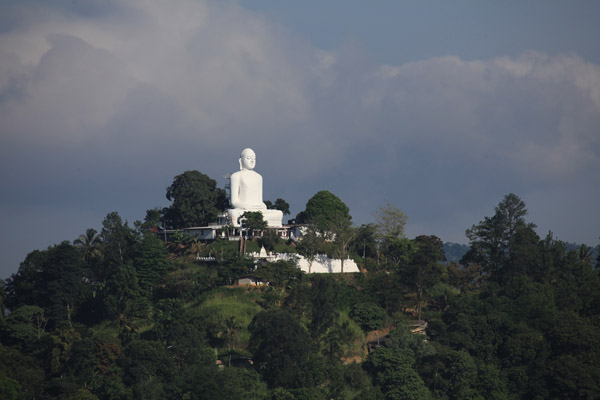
(196, 200)
(492, 240)
(424, 269)
(22, 287)
(343, 233)
(310, 243)
(253, 221)
(390, 221)
(118, 238)
(123, 298)
(282, 350)
(151, 261)
(365, 242)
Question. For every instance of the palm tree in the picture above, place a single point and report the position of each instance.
(89, 243)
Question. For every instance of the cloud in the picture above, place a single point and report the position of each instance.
(535, 114)
(102, 105)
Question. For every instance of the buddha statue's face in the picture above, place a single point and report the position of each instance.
(248, 159)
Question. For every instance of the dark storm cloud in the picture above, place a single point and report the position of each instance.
(101, 107)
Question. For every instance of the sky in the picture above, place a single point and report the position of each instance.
(441, 108)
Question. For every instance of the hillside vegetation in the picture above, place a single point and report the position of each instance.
(120, 314)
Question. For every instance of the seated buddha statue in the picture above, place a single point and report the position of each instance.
(246, 192)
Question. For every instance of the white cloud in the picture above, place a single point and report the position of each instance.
(534, 114)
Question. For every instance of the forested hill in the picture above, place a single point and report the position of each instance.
(121, 314)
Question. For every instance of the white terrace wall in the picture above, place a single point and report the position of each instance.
(321, 265)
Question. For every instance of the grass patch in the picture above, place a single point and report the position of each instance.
(356, 346)
(226, 314)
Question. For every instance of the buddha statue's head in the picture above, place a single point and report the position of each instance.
(247, 159)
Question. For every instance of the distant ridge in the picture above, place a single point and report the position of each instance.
(455, 251)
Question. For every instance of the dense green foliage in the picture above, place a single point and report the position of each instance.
(324, 208)
(253, 221)
(123, 315)
(196, 200)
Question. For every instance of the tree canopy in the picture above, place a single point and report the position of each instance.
(390, 221)
(281, 350)
(253, 221)
(196, 200)
(324, 208)
(495, 240)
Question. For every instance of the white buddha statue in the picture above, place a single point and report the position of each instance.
(246, 192)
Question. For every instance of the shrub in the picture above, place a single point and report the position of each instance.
(368, 315)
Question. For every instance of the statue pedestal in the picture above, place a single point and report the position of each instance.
(274, 218)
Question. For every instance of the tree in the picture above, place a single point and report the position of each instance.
(253, 221)
(464, 278)
(310, 244)
(390, 221)
(196, 200)
(23, 287)
(9, 388)
(89, 244)
(424, 269)
(118, 238)
(151, 261)
(492, 240)
(283, 206)
(280, 204)
(394, 372)
(2, 296)
(368, 315)
(150, 370)
(323, 296)
(55, 279)
(279, 273)
(597, 266)
(123, 297)
(463, 376)
(365, 243)
(26, 370)
(396, 251)
(282, 350)
(324, 208)
(152, 221)
(24, 325)
(343, 231)
(236, 384)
